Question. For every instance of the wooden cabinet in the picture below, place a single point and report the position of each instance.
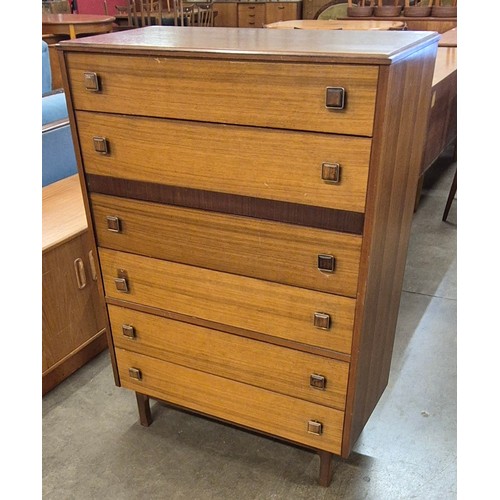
(252, 258)
(251, 15)
(227, 14)
(282, 11)
(73, 316)
(254, 14)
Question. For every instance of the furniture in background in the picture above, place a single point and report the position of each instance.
(144, 13)
(76, 24)
(193, 13)
(318, 24)
(58, 155)
(331, 10)
(442, 125)
(262, 288)
(72, 317)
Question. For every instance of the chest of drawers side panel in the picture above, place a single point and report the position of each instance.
(401, 120)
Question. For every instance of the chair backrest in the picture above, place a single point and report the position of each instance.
(332, 10)
(193, 13)
(144, 12)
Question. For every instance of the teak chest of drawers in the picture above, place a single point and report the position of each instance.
(251, 196)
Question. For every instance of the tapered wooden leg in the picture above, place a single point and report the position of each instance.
(325, 468)
(451, 195)
(144, 409)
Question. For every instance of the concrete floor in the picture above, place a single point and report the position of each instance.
(94, 448)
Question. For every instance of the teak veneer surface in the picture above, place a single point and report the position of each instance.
(173, 87)
(279, 164)
(267, 250)
(63, 212)
(265, 307)
(382, 47)
(244, 404)
(256, 363)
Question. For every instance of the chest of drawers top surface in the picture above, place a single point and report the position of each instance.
(379, 47)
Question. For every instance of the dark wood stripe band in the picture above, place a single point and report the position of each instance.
(291, 213)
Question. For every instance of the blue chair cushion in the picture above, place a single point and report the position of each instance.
(58, 154)
(46, 71)
(54, 108)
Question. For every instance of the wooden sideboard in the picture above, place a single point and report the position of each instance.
(252, 227)
(73, 320)
(254, 14)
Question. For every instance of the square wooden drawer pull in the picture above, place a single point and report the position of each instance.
(128, 331)
(330, 172)
(113, 223)
(121, 285)
(322, 320)
(326, 263)
(335, 98)
(317, 381)
(314, 427)
(91, 81)
(135, 373)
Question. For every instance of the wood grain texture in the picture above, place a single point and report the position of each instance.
(63, 212)
(280, 211)
(261, 364)
(227, 14)
(270, 308)
(401, 122)
(71, 317)
(253, 44)
(168, 87)
(272, 251)
(243, 404)
(272, 164)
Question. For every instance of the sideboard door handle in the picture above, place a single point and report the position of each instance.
(81, 278)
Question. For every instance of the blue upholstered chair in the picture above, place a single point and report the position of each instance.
(58, 154)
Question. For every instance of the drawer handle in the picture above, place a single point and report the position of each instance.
(317, 381)
(322, 320)
(128, 331)
(314, 427)
(281, 7)
(326, 263)
(135, 373)
(100, 145)
(335, 98)
(113, 223)
(81, 278)
(91, 81)
(121, 285)
(330, 172)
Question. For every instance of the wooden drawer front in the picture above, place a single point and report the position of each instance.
(251, 15)
(232, 401)
(260, 306)
(256, 363)
(292, 94)
(262, 163)
(284, 253)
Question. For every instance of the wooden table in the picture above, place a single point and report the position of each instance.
(317, 24)
(439, 24)
(76, 24)
(449, 38)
